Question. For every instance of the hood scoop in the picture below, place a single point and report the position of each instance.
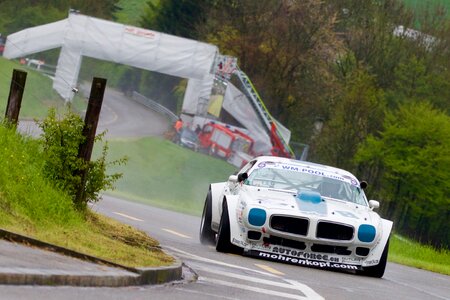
(311, 202)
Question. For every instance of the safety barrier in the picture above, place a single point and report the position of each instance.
(155, 106)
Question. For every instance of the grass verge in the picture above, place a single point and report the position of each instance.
(30, 205)
(39, 94)
(166, 175)
(410, 253)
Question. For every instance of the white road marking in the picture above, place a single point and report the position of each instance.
(176, 233)
(309, 292)
(211, 261)
(251, 288)
(127, 216)
(270, 269)
(292, 284)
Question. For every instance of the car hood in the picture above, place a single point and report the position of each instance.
(308, 204)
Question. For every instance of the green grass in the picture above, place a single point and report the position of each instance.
(30, 205)
(166, 175)
(410, 253)
(38, 95)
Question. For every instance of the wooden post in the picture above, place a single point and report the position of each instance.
(89, 130)
(15, 96)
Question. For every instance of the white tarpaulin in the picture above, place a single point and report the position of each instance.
(236, 103)
(80, 35)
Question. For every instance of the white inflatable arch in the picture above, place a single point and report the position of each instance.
(81, 35)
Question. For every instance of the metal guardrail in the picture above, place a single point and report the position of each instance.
(153, 105)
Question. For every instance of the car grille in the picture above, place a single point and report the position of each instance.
(330, 249)
(289, 224)
(333, 231)
(275, 240)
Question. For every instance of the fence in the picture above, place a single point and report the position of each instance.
(154, 106)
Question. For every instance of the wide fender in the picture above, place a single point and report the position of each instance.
(217, 192)
(231, 204)
(375, 255)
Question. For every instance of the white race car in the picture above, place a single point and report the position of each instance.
(297, 212)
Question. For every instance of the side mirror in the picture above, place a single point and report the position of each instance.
(363, 184)
(241, 177)
(374, 204)
(233, 178)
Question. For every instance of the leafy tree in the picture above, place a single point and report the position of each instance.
(367, 30)
(358, 111)
(413, 80)
(177, 17)
(411, 158)
(16, 15)
(286, 48)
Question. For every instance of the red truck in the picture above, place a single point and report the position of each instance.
(230, 144)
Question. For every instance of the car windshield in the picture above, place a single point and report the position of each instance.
(329, 185)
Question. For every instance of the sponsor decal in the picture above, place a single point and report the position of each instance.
(311, 171)
(351, 259)
(372, 262)
(140, 32)
(323, 173)
(306, 255)
(314, 172)
(239, 243)
(305, 262)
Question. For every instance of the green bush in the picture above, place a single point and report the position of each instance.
(62, 139)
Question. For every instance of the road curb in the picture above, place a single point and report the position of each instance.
(137, 276)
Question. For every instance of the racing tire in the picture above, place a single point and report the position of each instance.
(378, 270)
(223, 240)
(207, 235)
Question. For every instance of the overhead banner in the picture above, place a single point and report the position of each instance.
(81, 35)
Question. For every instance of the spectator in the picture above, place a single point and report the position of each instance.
(198, 129)
(178, 125)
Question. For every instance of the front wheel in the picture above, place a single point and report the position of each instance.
(207, 235)
(378, 270)
(223, 241)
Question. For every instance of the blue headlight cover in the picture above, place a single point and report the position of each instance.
(257, 216)
(366, 233)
